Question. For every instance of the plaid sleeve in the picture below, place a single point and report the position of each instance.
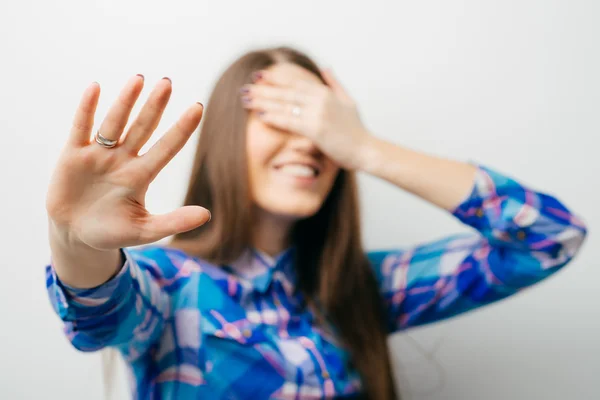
(522, 237)
(127, 312)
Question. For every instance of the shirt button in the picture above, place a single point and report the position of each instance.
(479, 213)
(247, 333)
(325, 375)
(521, 235)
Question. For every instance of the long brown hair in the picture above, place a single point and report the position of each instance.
(332, 268)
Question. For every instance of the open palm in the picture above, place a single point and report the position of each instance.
(97, 195)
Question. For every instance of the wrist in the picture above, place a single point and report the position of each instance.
(370, 154)
(67, 239)
(78, 265)
(63, 236)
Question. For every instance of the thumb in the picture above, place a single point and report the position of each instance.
(334, 84)
(183, 219)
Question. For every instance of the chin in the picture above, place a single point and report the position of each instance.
(292, 207)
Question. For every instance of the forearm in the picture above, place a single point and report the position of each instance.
(125, 311)
(440, 181)
(78, 265)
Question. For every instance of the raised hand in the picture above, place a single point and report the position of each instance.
(97, 194)
(326, 114)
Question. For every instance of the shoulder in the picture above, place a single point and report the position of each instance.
(171, 266)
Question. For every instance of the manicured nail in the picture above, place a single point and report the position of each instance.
(257, 75)
(202, 105)
(169, 79)
(141, 76)
(245, 89)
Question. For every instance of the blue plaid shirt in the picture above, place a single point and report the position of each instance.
(189, 329)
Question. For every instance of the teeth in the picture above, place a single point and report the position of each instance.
(299, 170)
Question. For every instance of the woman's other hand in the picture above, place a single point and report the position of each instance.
(324, 113)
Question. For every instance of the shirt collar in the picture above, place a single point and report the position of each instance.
(259, 268)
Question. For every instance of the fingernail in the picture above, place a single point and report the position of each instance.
(246, 99)
(257, 75)
(209, 216)
(141, 76)
(245, 89)
(261, 113)
(200, 104)
(169, 79)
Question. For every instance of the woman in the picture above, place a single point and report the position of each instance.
(275, 297)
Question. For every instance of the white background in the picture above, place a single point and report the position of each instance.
(512, 84)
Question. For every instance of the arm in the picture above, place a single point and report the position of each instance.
(126, 312)
(67, 253)
(95, 206)
(444, 183)
(522, 237)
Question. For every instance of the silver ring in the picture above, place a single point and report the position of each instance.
(296, 111)
(104, 142)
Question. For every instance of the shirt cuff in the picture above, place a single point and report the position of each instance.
(75, 303)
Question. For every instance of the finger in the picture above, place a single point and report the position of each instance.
(274, 93)
(83, 120)
(278, 114)
(149, 117)
(285, 121)
(113, 125)
(259, 104)
(279, 78)
(335, 85)
(183, 219)
(169, 145)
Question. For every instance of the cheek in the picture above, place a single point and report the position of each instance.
(262, 144)
(268, 189)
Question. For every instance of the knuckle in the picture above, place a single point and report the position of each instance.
(83, 126)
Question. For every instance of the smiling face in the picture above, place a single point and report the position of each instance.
(289, 176)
